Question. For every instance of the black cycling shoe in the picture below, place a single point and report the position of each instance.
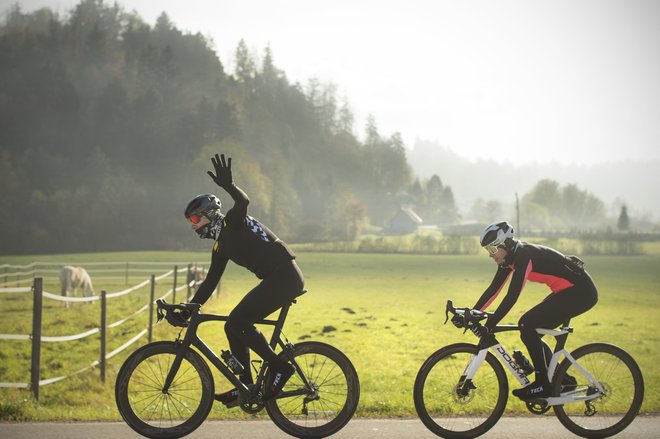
(533, 391)
(277, 378)
(230, 398)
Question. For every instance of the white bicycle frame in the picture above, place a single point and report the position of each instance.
(500, 351)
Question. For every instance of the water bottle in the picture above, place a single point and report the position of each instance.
(232, 362)
(523, 362)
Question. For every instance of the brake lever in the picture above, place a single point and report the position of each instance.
(160, 314)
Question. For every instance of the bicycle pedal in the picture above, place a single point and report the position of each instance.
(232, 404)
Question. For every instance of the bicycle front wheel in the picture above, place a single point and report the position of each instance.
(618, 374)
(450, 408)
(144, 406)
(327, 402)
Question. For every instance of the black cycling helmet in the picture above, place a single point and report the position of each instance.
(498, 235)
(205, 205)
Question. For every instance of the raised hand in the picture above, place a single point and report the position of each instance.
(222, 176)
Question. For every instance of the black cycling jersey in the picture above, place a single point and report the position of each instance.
(534, 263)
(572, 293)
(246, 242)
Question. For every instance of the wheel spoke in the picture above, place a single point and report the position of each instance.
(151, 412)
(447, 409)
(621, 380)
(331, 397)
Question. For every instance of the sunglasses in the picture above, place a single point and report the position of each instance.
(195, 219)
(491, 249)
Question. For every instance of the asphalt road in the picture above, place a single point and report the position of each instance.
(545, 427)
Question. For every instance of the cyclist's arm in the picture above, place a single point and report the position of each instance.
(237, 214)
(493, 290)
(522, 268)
(217, 268)
(223, 177)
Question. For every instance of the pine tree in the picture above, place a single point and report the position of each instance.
(623, 224)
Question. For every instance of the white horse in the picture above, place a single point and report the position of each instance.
(75, 278)
(196, 274)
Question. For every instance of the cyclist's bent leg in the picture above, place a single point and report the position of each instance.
(556, 308)
(275, 291)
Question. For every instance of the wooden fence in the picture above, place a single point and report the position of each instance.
(36, 337)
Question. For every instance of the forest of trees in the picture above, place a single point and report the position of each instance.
(108, 125)
(551, 207)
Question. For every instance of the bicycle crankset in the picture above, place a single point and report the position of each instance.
(537, 407)
(254, 404)
(252, 407)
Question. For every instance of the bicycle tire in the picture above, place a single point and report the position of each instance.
(333, 380)
(622, 379)
(141, 402)
(443, 410)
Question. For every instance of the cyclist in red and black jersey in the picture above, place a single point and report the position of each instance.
(245, 241)
(572, 293)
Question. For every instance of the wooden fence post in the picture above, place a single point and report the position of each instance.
(189, 279)
(176, 269)
(35, 373)
(126, 273)
(103, 334)
(151, 306)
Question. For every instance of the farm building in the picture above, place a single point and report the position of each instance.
(404, 221)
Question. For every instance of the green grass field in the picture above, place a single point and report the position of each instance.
(388, 311)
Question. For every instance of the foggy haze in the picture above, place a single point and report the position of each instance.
(108, 118)
(625, 182)
(545, 81)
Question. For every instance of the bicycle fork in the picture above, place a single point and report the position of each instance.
(465, 383)
(182, 347)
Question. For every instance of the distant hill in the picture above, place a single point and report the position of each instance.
(634, 183)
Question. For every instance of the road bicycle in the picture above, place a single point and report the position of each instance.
(165, 389)
(461, 390)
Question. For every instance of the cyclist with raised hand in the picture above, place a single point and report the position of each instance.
(572, 293)
(247, 242)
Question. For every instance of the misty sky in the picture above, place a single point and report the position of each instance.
(571, 81)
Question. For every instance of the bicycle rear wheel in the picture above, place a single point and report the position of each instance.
(452, 410)
(622, 380)
(149, 411)
(329, 401)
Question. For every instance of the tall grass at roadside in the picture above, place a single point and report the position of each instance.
(387, 311)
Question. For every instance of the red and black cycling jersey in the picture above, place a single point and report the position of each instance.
(246, 242)
(529, 262)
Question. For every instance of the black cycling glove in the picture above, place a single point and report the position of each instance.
(458, 321)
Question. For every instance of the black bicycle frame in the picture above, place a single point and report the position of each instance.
(191, 338)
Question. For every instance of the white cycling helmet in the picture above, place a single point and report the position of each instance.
(496, 235)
